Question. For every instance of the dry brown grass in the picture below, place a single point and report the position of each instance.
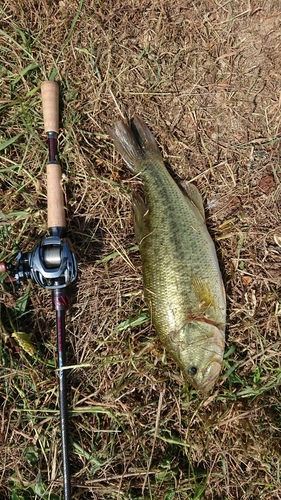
(206, 78)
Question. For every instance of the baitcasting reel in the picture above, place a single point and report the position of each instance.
(51, 264)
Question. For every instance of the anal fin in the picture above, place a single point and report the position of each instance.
(140, 209)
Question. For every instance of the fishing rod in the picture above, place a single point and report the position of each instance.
(52, 264)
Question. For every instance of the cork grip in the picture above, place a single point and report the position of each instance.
(56, 214)
(50, 104)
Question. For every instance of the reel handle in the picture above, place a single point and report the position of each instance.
(55, 199)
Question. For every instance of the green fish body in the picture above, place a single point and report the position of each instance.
(182, 281)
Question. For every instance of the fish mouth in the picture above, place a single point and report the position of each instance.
(210, 376)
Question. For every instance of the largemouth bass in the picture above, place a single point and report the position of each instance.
(182, 281)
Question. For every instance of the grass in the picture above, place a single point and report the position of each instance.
(204, 76)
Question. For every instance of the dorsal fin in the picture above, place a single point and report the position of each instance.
(191, 191)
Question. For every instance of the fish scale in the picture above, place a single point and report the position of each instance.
(182, 281)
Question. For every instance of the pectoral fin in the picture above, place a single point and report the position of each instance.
(203, 292)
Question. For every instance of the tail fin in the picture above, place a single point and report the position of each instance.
(134, 142)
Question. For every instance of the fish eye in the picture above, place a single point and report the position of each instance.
(192, 370)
